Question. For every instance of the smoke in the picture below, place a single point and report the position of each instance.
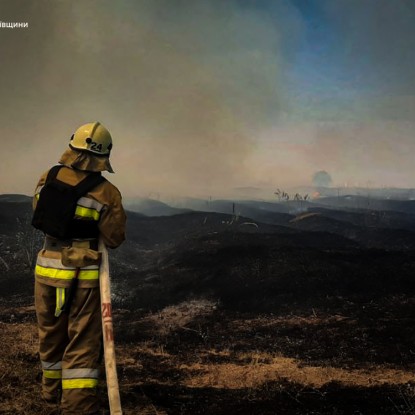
(375, 40)
(182, 86)
(203, 96)
(361, 153)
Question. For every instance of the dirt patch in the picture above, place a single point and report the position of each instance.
(254, 375)
(172, 318)
(177, 366)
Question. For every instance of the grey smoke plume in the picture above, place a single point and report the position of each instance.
(202, 96)
(181, 85)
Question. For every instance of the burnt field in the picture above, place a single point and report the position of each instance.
(217, 313)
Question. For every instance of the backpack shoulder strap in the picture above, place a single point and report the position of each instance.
(53, 172)
(88, 183)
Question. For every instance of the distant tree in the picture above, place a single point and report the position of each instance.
(278, 193)
(321, 179)
(282, 195)
(298, 198)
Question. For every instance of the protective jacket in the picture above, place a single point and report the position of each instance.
(103, 205)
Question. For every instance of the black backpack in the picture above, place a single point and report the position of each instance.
(55, 209)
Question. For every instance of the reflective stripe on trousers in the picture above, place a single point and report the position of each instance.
(71, 378)
(52, 370)
(79, 378)
(60, 301)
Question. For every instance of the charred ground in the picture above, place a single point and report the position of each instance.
(220, 313)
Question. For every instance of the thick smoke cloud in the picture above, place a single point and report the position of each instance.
(205, 96)
(181, 85)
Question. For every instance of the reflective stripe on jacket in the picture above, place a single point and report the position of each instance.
(54, 269)
(85, 209)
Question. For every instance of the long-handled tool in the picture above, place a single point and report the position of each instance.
(108, 333)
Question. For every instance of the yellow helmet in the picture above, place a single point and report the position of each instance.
(92, 137)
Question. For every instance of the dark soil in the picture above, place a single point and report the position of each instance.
(215, 315)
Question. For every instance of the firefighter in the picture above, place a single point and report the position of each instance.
(68, 314)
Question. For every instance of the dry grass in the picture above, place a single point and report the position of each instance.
(150, 365)
(254, 375)
(20, 371)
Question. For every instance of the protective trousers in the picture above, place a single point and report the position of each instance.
(70, 347)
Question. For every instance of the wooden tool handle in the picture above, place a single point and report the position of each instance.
(108, 333)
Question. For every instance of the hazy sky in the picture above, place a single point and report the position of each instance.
(205, 96)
